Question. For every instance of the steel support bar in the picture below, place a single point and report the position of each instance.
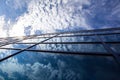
(82, 31)
(68, 43)
(97, 33)
(100, 30)
(77, 35)
(22, 50)
(109, 50)
(18, 40)
(66, 52)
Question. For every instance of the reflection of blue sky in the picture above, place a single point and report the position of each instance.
(37, 16)
(104, 14)
(56, 67)
(38, 65)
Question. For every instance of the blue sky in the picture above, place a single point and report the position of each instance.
(8, 9)
(27, 17)
(52, 15)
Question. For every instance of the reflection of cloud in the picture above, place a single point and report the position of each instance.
(11, 66)
(2, 78)
(37, 71)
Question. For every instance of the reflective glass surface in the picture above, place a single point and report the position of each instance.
(63, 57)
(71, 47)
(30, 65)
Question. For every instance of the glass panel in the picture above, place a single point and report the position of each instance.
(5, 52)
(71, 47)
(74, 39)
(115, 47)
(69, 34)
(45, 36)
(83, 33)
(34, 40)
(17, 46)
(40, 66)
(111, 37)
(48, 66)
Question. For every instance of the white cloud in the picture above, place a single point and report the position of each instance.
(2, 78)
(10, 66)
(37, 71)
(47, 16)
(2, 24)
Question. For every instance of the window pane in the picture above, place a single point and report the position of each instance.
(71, 47)
(34, 40)
(111, 38)
(5, 52)
(17, 46)
(29, 65)
(115, 47)
(74, 39)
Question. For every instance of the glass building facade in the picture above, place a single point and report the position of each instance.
(75, 55)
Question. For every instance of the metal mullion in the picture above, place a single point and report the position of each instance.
(81, 35)
(81, 31)
(109, 50)
(9, 43)
(65, 52)
(22, 50)
(24, 38)
(69, 43)
(95, 30)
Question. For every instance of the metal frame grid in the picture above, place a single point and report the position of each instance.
(97, 33)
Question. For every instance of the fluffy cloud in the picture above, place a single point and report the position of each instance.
(2, 25)
(11, 66)
(49, 16)
(47, 72)
(2, 78)
(37, 70)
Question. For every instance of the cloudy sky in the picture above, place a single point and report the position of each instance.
(26, 17)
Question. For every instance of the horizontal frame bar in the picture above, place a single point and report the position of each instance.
(22, 50)
(65, 52)
(68, 43)
(80, 31)
(74, 35)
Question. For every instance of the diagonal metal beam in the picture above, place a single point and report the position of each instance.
(109, 50)
(99, 32)
(18, 40)
(22, 50)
